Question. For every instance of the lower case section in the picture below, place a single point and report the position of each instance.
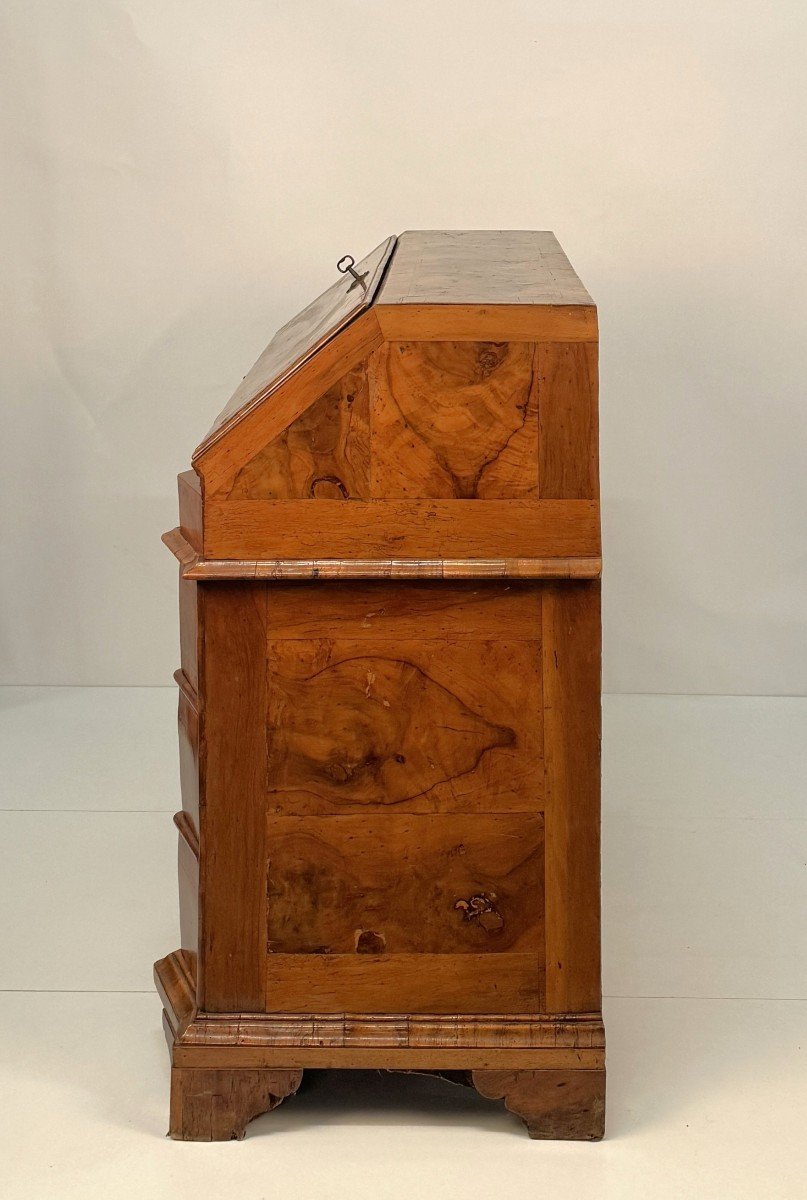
(229, 1068)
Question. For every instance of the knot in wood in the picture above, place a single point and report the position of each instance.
(482, 909)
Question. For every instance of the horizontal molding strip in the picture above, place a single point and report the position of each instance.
(267, 1040)
(346, 1031)
(198, 568)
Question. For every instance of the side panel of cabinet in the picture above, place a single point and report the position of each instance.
(361, 848)
(405, 834)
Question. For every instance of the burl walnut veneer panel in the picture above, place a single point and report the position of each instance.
(454, 420)
(428, 727)
(324, 454)
(398, 884)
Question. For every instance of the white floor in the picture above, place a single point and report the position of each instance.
(705, 913)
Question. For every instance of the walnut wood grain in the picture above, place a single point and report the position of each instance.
(487, 322)
(427, 611)
(402, 1041)
(436, 568)
(324, 454)
(493, 285)
(454, 420)
(219, 460)
(304, 338)
(392, 884)
(423, 725)
(175, 978)
(567, 414)
(571, 680)
(216, 1105)
(442, 285)
(197, 568)
(416, 983)
(563, 1104)
(401, 528)
(579, 1039)
(388, 1058)
(233, 935)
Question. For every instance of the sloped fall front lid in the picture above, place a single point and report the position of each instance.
(301, 337)
(462, 268)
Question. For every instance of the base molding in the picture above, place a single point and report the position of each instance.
(229, 1067)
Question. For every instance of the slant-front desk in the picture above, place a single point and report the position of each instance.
(389, 696)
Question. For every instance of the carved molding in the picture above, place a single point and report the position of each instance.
(580, 1032)
(554, 567)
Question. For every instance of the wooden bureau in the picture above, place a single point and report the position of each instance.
(389, 696)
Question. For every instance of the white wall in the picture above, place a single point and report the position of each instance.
(179, 177)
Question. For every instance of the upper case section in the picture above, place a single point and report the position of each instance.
(438, 416)
(426, 284)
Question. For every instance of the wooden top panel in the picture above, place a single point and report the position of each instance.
(489, 266)
(301, 337)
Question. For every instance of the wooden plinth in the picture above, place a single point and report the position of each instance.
(229, 1068)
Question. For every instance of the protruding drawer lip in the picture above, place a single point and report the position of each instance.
(187, 831)
(186, 687)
